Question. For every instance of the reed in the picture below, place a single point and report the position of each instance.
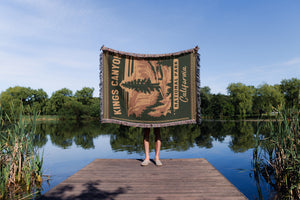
(21, 164)
(277, 156)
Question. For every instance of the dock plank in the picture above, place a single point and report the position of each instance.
(125, 179)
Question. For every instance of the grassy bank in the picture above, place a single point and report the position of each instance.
(20, 162)
(47, 118)
(41, 118)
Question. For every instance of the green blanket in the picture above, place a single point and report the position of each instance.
(150, 90)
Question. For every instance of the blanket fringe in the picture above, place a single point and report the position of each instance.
(198, 90)
(142, 125)
(136, 55)
(101, 85)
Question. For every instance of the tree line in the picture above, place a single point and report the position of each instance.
(62, 103)
(245, 101)
(242, 101)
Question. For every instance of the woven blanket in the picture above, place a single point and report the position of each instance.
(150, 90)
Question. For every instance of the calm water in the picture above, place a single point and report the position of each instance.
(228, 146)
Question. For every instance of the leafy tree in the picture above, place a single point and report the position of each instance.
(241, 97)
(13, 96)
(266, 97)
(205, 96)
(57, 100)
(72, 109)
(220, 106)
(94, 109)
(291, 90)
(40, 99)
(25, 96)
(85, 95)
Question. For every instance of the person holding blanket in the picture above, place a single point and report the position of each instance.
(157, 146)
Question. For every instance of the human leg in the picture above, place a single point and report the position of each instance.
(157, 143)
(146, 142)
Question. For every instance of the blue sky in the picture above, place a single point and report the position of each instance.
(53, 44)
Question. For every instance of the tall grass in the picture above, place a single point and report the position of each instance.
(20, 162)
(277, 156)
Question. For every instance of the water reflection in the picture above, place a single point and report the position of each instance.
(122, 138)
(64, 133)
(242, 137)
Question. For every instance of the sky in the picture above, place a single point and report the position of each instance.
(51, 44)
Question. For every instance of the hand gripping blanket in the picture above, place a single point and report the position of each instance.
(150, 90)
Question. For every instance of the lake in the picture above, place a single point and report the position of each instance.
(228, 145)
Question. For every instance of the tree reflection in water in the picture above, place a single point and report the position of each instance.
(64, 133)
(122, 138)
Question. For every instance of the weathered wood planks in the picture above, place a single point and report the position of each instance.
(126, 179)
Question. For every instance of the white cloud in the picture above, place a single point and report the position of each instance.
(291, 62)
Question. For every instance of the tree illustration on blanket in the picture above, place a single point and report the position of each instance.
(144, 85)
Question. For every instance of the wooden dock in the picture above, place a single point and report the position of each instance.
(126, 179)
